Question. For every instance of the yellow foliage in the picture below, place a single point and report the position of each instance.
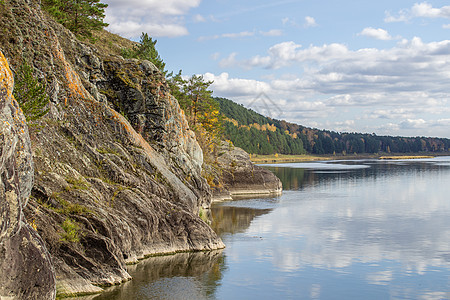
(272, 128)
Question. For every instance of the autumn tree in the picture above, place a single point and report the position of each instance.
(201, 109)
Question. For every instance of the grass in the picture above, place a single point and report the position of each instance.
(203, 215)
(102, 150)
(78, 183)
(111, 44)
(71, 229)
(68, 208)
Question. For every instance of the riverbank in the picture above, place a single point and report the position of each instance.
(406, 157)
(283, 158)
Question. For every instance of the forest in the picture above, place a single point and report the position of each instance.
(258, 134)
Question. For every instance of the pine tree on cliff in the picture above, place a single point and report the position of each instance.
(146, 50)
(30, 93)
(201, 109)
(79, 16)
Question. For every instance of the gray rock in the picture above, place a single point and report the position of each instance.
(116, 180)
(239, 177)
(26, 271)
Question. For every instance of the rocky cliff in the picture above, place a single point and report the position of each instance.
(239, 177)
(117, 172)
(26, 271)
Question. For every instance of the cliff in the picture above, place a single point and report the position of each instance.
(117, 171)
(24, 261)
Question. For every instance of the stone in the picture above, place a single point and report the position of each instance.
(26, 270)
(241, 178)
(117, 169)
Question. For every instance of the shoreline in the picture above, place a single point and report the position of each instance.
(284, 158)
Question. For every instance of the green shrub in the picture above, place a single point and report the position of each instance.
(71, 231)
(30, 93)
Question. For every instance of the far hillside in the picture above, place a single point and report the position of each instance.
(258, 134)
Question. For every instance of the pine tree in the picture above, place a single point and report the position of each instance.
(30, 93)
(146, 50)
(202, 110)
(79, 16)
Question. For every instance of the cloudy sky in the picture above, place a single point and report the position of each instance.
(359, 66)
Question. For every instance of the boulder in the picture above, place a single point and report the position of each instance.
(239, 177)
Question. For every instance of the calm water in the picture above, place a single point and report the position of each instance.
(363, 229)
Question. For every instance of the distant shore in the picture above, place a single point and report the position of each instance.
(283, 158)
(406, 157)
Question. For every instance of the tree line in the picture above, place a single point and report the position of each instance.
(290, 138)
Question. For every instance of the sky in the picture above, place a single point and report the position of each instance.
(378, 67)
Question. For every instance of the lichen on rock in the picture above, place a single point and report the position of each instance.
(26, 271)
(114, 156)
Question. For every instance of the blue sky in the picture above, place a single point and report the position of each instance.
(357, 66)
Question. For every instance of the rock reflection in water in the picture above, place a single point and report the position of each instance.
(184, 275)
(230, 219)
(180, 276)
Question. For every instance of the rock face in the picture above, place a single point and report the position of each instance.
(26, 271)
(117, 170)
(241, 178)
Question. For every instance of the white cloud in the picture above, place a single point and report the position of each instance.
(215, 56)
(228, 61)
(310, 22)
(238, 35)
(285, 20)
(406, 85)
(199, 19)
(376, 33)
(425, 10)
(242, 34)
(442, 122)
(134, 29)
(236, 86)
(410, 66)
(158, 18)
(419, 10)
(413, 124)
(403, 16)
(397, 113)
(272, 32)
(233, 35)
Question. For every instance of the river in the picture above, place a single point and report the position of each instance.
(355, 229)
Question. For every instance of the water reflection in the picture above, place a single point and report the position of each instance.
(379, 232)
(301, 175)
(179, 276)
(345, 230)
(230, 219)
